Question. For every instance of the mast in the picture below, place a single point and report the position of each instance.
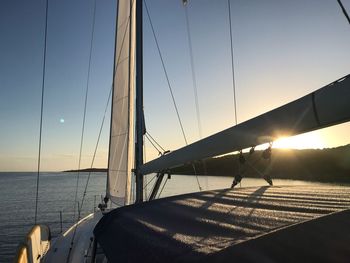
(139, 102)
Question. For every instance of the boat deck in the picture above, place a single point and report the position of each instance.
(208, 226)
(62, 249)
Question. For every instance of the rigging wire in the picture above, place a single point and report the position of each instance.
(197, 180)
(41, 113)
(194, 80)
(167, 78)
(148, 196)
(151, 180)
(145, 176)
(155, 147)
(85, 106)
(233, 70)
(165, 72)
(166, 180)
(344, 10)
(82, 133)
(232, 62)
(95, 151)
(149, 137)
(154, 140)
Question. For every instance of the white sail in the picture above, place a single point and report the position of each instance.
(120, 160)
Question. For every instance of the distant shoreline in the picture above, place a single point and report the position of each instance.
(330, 165)
(88, 170)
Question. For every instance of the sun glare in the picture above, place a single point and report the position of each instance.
(303, 141)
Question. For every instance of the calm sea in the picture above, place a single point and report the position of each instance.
(56, 195)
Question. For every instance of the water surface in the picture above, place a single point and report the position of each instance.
(57, 192)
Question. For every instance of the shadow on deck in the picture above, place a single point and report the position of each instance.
(212, 225)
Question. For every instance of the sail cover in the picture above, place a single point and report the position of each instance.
(210, 226)
(120, 160)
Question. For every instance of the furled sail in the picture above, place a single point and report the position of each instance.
(325, 107)
(120, 161)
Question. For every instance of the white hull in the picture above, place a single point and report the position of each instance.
(80, 251)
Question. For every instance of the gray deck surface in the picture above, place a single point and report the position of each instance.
(324, 239)
(207, 226)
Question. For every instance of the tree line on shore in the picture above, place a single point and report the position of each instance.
(323, 165)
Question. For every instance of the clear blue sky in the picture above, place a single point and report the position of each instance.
(283, 50)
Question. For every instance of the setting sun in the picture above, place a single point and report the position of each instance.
(303, 141)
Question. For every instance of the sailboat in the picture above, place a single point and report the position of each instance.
(265, 224)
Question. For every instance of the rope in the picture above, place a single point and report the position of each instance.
(165, 72)
(194, 81)
(41, 113)
(232, 64)
(344, 10)
(85, 106)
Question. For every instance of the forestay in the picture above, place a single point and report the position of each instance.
(120, 160)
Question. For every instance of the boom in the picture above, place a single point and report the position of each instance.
(324, 107)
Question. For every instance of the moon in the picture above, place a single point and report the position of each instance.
(61, 120)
